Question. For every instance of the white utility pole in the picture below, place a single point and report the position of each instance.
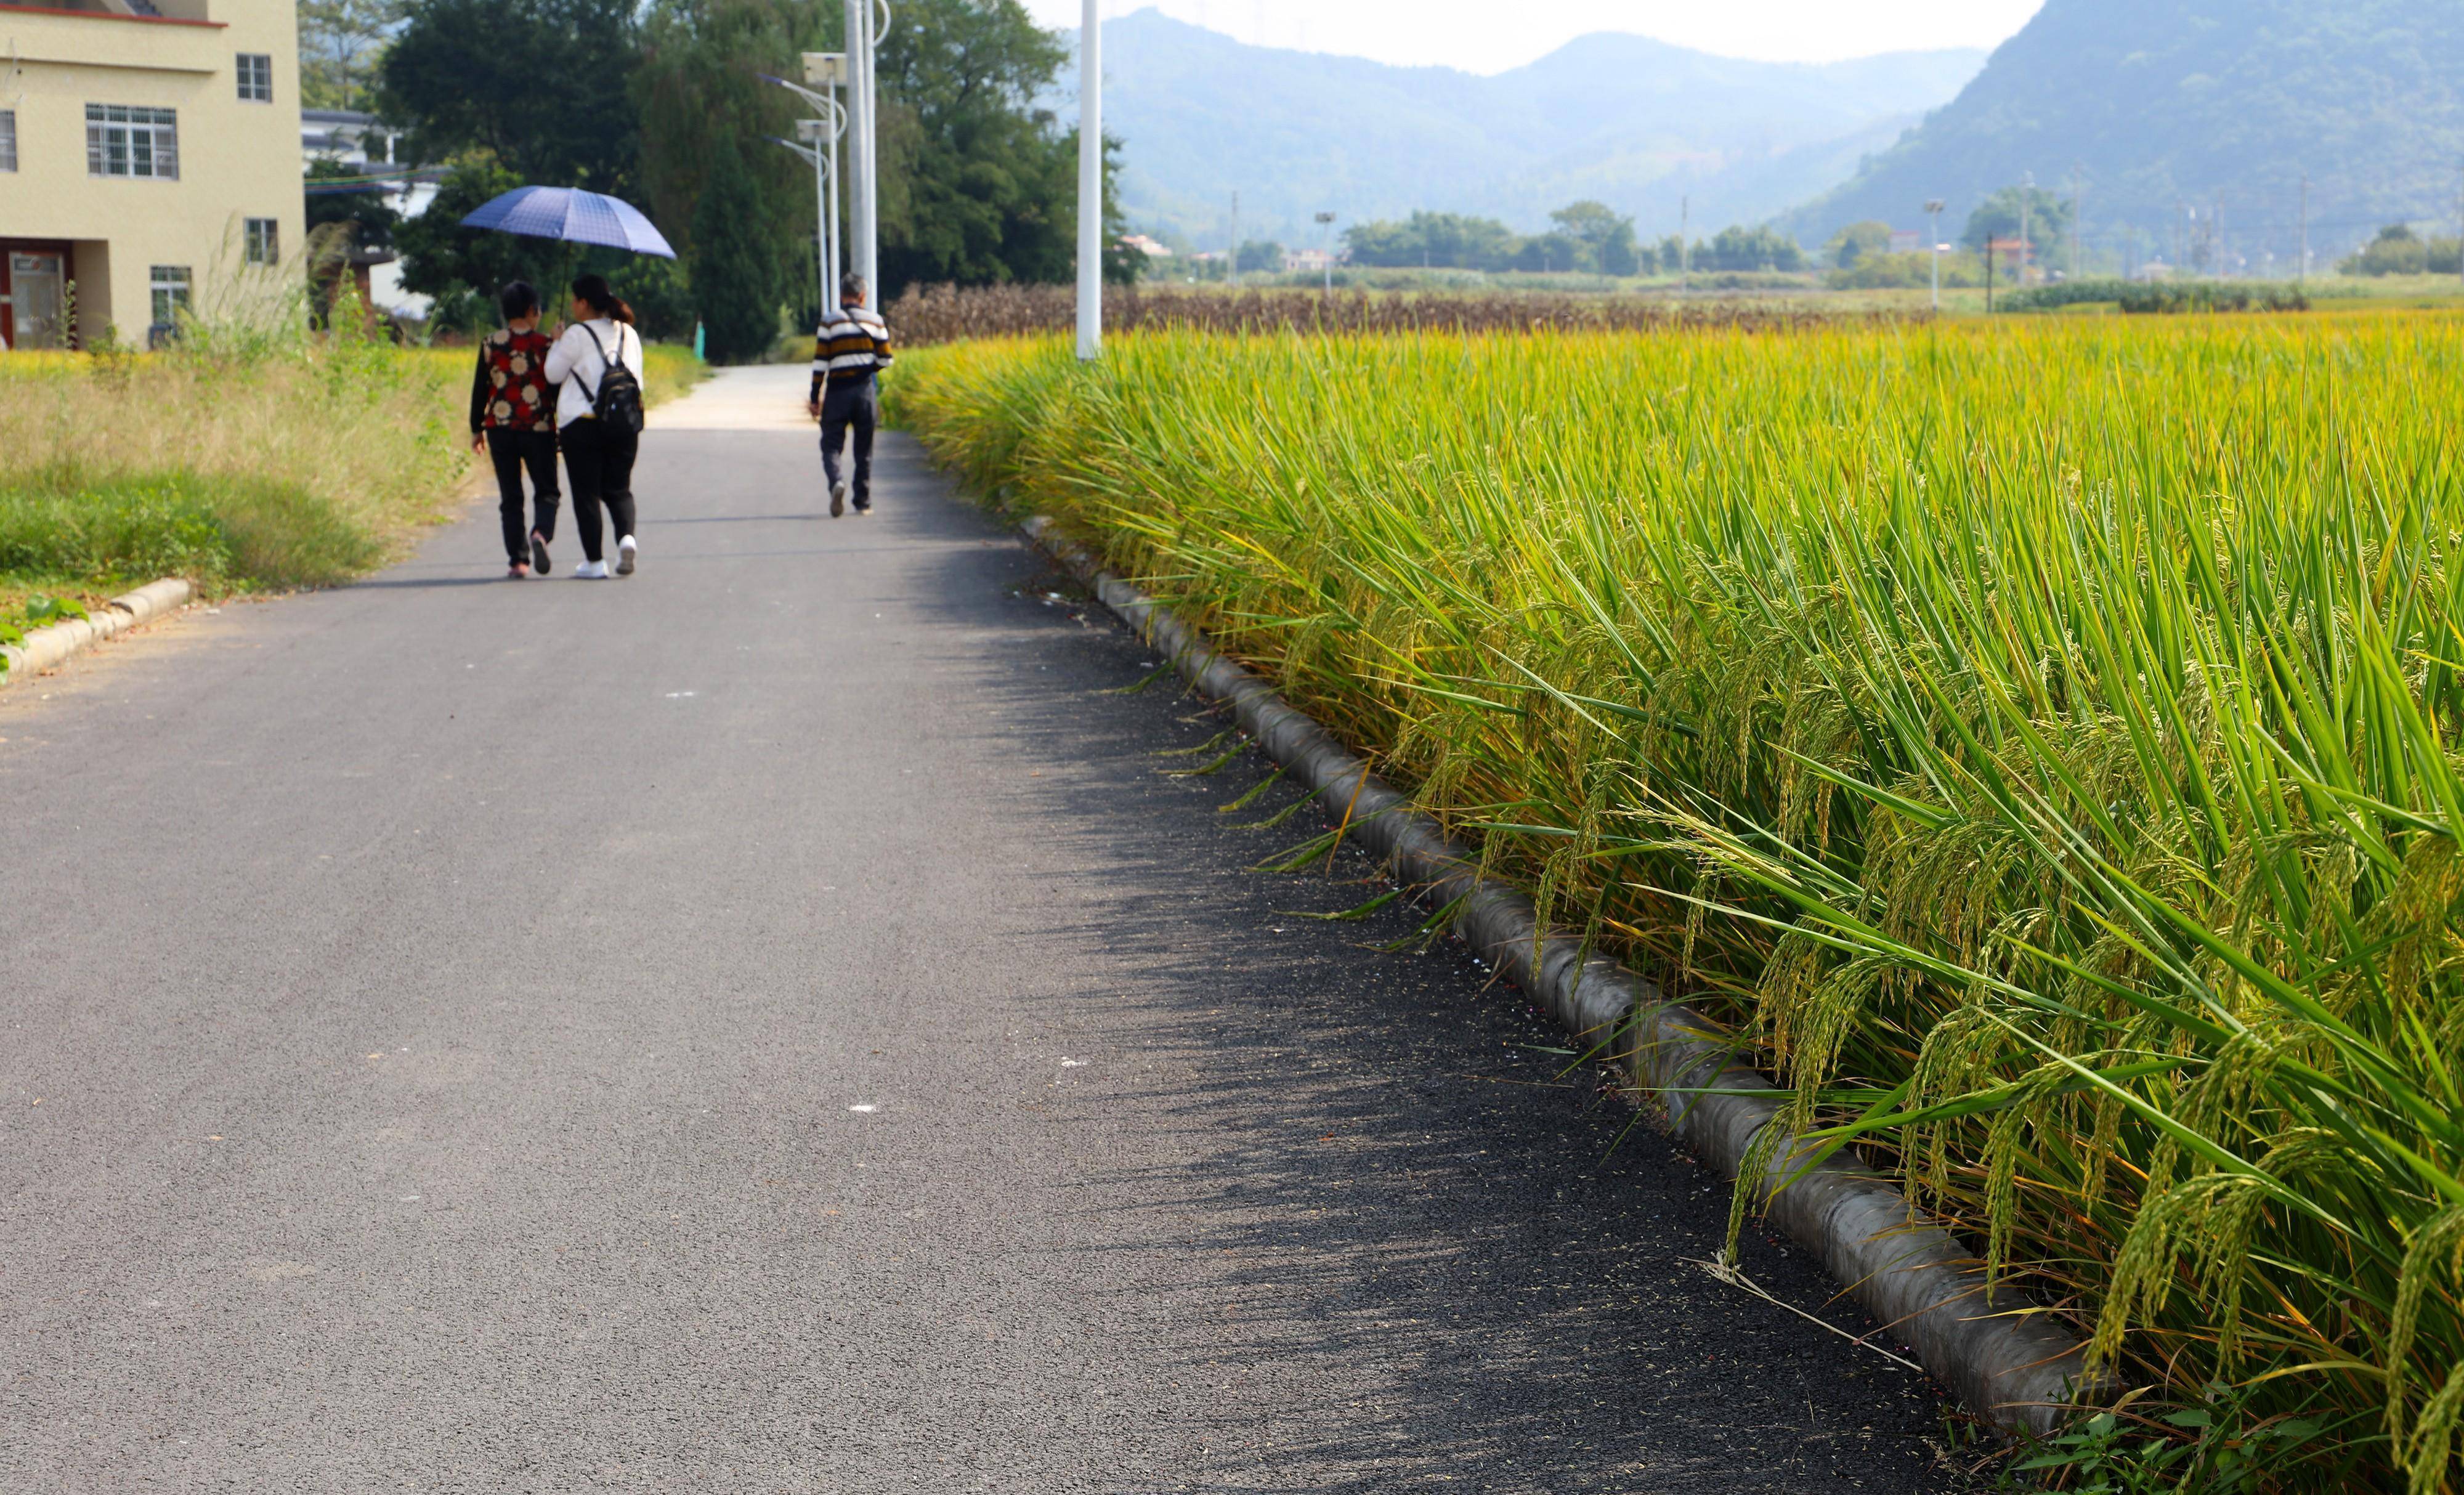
(1233, 265)
(1684, 253)
(2027, 195)
(1933, 211)
(2079, 216)
(863, 198)
(2306, 226)
(1090, 182)
(1326, 247)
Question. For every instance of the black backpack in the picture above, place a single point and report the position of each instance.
(617, 402)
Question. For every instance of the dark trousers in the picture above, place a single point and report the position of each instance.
(843, 405)
(599, 465)
(511, 450)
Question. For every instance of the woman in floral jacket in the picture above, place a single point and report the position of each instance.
(513, 419)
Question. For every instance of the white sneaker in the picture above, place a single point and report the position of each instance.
(625, 556)
(591, 571)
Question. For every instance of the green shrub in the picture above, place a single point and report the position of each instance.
(57, 524)
(2159, 296)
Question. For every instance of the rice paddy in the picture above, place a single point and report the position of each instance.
(2040, 740)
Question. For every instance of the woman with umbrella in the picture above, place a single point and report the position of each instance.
(596, 365)
(594, 359)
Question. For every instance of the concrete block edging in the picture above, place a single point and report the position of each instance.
(50, 645)
(2004, 1358)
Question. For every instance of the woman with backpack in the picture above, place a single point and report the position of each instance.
(597, 367)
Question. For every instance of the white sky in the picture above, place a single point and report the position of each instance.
(1468, 33)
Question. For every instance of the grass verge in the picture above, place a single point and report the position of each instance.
(242, 464)
(2040, 740)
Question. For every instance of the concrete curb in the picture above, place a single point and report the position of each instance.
(2002, 1355)
(47, 647)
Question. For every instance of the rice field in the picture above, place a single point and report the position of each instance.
(928, 315)
(2040, 740)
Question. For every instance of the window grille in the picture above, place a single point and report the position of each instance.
(256, 76)
(132, 141)
(8, 139)
(169, 284)
(262, 240)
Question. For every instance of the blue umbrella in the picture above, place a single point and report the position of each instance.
(572, 216)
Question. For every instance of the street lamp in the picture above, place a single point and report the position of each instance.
(1933, 209)
(1326, 247)
(818, 142)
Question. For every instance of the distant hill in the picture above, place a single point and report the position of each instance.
(1634, 123)
(2168, 102)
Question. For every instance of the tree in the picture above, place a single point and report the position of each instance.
(1260, 254)
(1741, 249)
(700, 83)
(979, 186)
(363, 206)
(1856, 242)
(1453, 241)
(1619, 254)
(734, 270)
(440, 258)
(341, 43)
(2398, 250)
(1589, 226)
(1558, 252)
(1906, 271)
(1997, 217)
(542, 86)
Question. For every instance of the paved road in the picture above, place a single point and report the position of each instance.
(768, 1026)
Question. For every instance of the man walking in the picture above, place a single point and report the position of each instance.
(851, 349)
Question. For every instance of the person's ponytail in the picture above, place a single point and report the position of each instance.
(593, 291)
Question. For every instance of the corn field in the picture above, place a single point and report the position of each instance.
(2040, 740)
(948, 313)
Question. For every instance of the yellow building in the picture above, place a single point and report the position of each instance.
(149, 155)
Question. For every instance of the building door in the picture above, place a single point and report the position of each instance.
(37, 300)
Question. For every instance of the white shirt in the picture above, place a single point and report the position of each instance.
(578, 359)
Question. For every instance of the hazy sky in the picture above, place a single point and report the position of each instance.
(1469, 34)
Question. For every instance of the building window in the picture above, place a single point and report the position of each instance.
(8, 139)
(257, 78)
(262, 240)
(170, 287)
(132, 141)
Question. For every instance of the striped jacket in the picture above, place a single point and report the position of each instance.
(850, 349)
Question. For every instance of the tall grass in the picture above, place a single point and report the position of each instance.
(243, 458)
(308, 461)
(2041, 740)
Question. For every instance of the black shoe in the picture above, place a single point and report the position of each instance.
(864, 508)
(539, 554)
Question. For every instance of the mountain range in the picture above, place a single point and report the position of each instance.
(2165, 109)
(1637, 124)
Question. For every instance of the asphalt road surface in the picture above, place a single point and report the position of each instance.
(771, 1024)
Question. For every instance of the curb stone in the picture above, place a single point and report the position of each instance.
(2001, 1352)
(49, 645)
